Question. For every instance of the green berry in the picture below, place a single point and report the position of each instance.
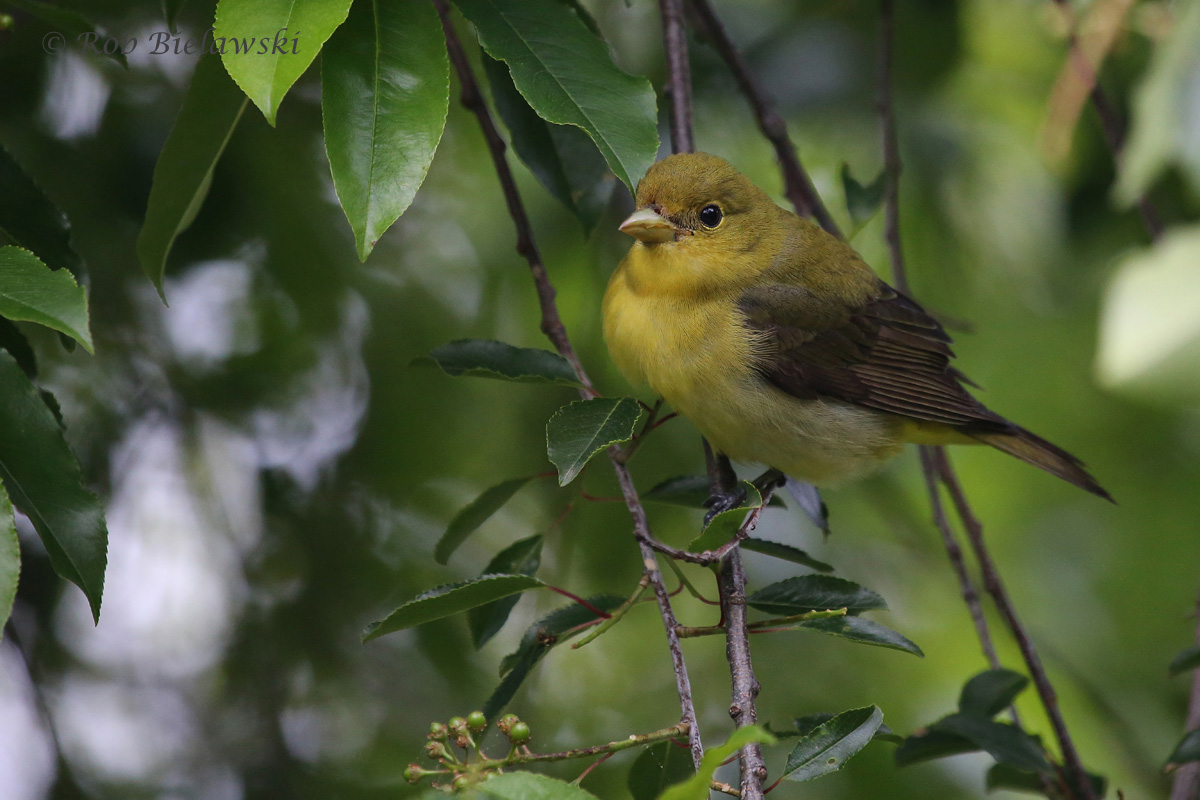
(476, 721)
(413, 773)
(461, 782)
(437, 731)
(506, 722)
(519, 733)
(6, 21)
(458, 724)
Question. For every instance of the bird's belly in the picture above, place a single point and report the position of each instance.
(699, 358)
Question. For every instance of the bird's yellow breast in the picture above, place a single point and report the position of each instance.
(692, 348)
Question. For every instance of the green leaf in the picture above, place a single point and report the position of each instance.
(484, 358)
(29, 219)
(556, 627)
(581, 429)
(1166, 113)
(814, 593)
(689, 491)
(1187, 660)
(809, 722)
(257, 39)
(532, 786)
(724, 526)
(1187, 751)
(863, 202)
(696, 787)
(184, 171)
(385, 90)
(830, 745)
(71, 24)
(452, 598)
(1005, 743)
(863, 631)
(1149, 331)
(45, 483)
(171, 9)
(474, 514)
(10, 559)
(563, 159)
(990, 692)
(568, 77)
(31, 292)
(520, 558)
(786, 552)
(1002, 776)
(659, 766)
(12, 340)
(931, 744)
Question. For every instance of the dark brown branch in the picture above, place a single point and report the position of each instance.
(936, 465)
(679, 75)
(796, 183)
(732, 581)
(1110, 120)
(1186, 784)
(553, 328)
(995, 587)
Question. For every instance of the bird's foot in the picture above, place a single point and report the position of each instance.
(723, 500)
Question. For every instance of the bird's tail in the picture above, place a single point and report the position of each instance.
(1035, 450)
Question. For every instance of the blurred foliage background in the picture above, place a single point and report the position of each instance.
(276, 474)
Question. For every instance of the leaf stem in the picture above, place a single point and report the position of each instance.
(617, 613)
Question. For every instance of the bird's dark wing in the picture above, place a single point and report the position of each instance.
(887, 354)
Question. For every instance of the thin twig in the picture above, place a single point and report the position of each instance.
(796, 183)
(1186, 784)
(891, 150)
(1110, 120)
(995, 587)
(553, 328)
(679, 75)
(732, 580)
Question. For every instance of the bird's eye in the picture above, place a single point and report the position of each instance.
(710, 216)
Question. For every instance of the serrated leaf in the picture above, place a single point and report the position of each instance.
(1186, 660)
(689, 491)
(184, 170)
(385, 89)
(45, 483)
(532, 786)
(474, 514)
(568, 77)
(453, 598)
(579, 430)
(990, 692)
(863, 631)
(553, 629)
(249, 34)
(28, 218)
(1149, 334)
(520, 558)
(831, 744)
(724, 526)
(809, 722)
(1002, 776)
(931, 744)
(71, 24)
(562, 158)
(1187, 751)
(785, 552)
(659, 766)
(484, 358)
(1003, 742)
(31, 292)
(696, 787)
(814, 593)
(863, 202)
(10, 559)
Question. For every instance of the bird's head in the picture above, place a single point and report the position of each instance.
(697, 199)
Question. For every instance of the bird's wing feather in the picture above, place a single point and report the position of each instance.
(884, 353)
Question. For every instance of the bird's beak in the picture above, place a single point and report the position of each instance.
(648, 225)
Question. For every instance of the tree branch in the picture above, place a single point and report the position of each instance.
(553, 328)
(679, 75)
(732, 580)
(796, 183)
(935, 464)
(1186, 784)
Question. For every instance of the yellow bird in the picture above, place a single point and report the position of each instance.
(778, 341)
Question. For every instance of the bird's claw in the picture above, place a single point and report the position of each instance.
(723, 501)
